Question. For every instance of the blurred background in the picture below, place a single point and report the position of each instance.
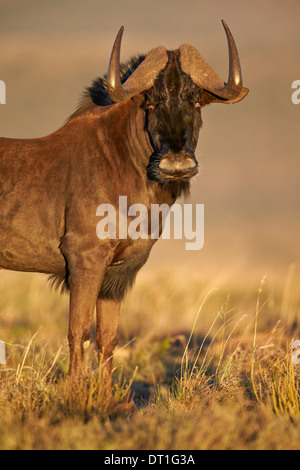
(248, 152)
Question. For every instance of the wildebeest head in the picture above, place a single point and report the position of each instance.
(177, 85)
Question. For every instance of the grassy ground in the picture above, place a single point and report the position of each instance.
(198, 367)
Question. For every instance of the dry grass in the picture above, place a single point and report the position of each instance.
(218, 376)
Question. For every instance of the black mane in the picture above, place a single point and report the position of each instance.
(97, 94)
(98, 90)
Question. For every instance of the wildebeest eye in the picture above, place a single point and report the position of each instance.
(151, 108)
(197, 106)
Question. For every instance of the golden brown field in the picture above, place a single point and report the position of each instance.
(210, 367)
(205, 358)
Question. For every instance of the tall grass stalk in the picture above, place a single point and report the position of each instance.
(257, 312)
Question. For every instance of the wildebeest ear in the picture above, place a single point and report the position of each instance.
(207, 98)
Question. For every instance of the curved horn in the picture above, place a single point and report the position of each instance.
(235, 81)
(204, 76)
(141, 79)
(115, 89)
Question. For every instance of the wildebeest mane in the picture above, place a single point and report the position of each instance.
(97, 94)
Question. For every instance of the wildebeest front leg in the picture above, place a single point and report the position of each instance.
(107, 336)
(84, 288)
(87, 264)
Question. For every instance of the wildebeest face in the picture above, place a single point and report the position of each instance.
(173, 121)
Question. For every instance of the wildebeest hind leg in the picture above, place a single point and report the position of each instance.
(107, 336)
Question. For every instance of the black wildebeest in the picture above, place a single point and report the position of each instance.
(134, 134)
